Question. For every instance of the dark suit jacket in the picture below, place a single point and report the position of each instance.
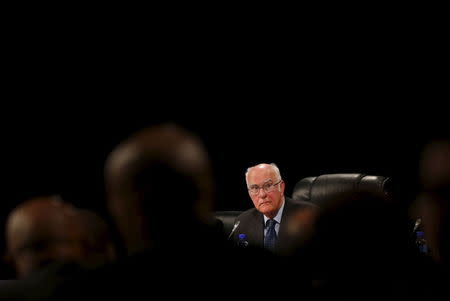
(252, 224)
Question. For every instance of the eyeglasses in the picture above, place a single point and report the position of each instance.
(267, 187)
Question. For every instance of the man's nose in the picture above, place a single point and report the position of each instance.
(261, 190)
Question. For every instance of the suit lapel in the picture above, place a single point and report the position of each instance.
(256, 233)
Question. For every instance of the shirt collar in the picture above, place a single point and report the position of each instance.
(277, 217)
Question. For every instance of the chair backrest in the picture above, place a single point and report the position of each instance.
(227, 218)
(321, 189)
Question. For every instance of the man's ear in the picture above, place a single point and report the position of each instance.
(279, 185)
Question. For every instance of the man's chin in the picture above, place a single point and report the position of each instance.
(265, 208)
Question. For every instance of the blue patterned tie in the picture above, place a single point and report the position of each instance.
(271, 235)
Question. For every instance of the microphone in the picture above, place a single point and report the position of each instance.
(236, 224)
(417, 224)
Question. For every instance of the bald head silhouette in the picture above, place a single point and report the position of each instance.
(156, 180)
(433, 203)
(40, 231)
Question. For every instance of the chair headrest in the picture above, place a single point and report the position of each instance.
(320, 189)
(227, 218)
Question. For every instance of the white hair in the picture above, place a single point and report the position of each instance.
(274, 167)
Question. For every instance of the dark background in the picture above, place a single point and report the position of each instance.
(312, 97)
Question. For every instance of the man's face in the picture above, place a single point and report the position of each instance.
(265, 189)
(49, 233)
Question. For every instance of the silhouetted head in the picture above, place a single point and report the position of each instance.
(156, 180)
(433, 203)
(356, 243)
(41, 231)
(434, 167)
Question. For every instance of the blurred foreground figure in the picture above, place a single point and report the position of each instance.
(50, 242)
(434, 201)
(432, 206)
(356, 247)
(159, 188)
(41, 231)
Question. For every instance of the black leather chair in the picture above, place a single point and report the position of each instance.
(321, 189)
(227, 218)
